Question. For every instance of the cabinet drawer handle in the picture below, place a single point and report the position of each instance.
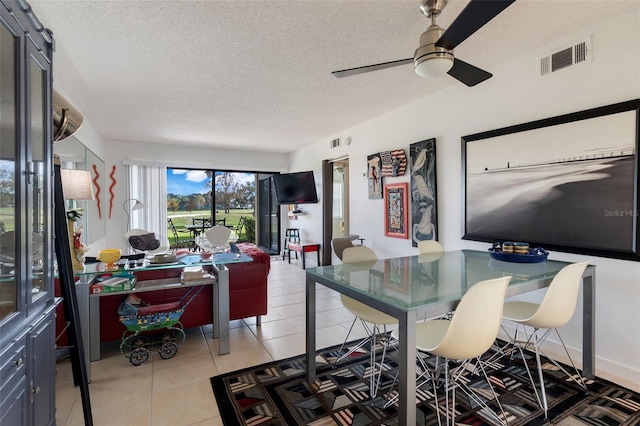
(18, 362)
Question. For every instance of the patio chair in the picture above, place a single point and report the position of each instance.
(181, 238)
(240, 226)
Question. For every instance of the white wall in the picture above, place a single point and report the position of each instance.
(513, 96)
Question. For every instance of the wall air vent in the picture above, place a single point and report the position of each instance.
(576, 53)
(335, 143)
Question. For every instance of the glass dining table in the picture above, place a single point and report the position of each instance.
(411, 288)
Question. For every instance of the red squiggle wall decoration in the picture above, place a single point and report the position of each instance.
(113, 183)
(97, 185)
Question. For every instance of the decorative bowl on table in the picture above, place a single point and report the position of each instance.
(109, 257)
(532, 255)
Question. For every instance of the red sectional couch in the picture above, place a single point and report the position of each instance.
(247, 295)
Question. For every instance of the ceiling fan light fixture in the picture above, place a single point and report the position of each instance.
(434, 66)
(431, 60)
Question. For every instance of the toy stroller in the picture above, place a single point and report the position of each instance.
(139, 319)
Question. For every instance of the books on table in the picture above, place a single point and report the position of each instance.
(194, 274)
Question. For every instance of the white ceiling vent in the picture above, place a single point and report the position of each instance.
(334, 143)
(574, 54)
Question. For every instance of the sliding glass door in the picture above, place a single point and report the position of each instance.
(268, 215)
(225, 198)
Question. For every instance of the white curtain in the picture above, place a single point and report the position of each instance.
(148, 183)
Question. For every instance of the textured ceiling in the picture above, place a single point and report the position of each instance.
(256, 74)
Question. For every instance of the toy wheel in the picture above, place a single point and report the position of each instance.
(168, 350)
(139, 356)
(171, 334)
(139, 341)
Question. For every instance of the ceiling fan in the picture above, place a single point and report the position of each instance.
(434, 56)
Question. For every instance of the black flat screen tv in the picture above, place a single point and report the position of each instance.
(295, 188)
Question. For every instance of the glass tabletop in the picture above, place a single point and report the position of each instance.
(412, 282)
(146, 264)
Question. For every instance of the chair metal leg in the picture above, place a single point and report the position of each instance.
(373, 390)
(352, 350)
(520, 346)
(455, 376)
(426, 373)
(375, 376)
(540, 376)
(580, 378)
(536, 341)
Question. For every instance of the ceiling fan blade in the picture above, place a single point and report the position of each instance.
(368, 68)
(471, 19)
(467, 73)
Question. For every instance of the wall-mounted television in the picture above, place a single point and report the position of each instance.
(295, 188)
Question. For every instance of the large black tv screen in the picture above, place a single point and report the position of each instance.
(295, 188)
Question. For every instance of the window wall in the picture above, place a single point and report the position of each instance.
(220, 197)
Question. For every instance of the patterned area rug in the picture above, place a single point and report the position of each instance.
(277, 394)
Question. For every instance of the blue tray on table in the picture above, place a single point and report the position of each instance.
(535, 255)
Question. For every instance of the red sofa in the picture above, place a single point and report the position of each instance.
(247, 295)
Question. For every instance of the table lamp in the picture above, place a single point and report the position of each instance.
(76, 186)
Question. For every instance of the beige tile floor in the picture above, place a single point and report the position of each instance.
(177, 391)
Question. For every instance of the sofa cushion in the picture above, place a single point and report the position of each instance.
(144, 242)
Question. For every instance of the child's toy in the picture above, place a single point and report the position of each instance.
(141, 319)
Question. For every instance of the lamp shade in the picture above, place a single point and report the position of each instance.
(76, 184)
(138, 205)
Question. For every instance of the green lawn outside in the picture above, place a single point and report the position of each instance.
(182, 218)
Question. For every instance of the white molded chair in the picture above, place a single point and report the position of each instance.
(341, 243)
(367, 315)
(429, 247)
(470, 333)
(164, 245)
(555, 310)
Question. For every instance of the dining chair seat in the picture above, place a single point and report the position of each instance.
(519, 311)
(366, 312)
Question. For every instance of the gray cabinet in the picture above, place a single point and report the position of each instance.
(27, 303)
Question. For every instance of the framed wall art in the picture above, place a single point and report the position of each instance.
(424, 211)
(374, 176)
(567, 183)
(396, 210)
(394, 163)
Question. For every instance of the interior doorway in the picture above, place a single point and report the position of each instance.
(340, 206)
(336, 204)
